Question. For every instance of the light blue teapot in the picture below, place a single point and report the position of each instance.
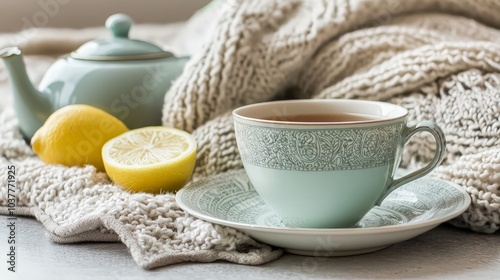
(125, 77)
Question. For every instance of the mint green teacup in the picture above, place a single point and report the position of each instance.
(326, 163)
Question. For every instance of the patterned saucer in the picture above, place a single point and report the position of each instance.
(229, 199)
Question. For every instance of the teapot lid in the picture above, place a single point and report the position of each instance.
(119, 47)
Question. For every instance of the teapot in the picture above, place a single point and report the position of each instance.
(125, 77)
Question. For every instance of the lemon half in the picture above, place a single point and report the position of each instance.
(150, 159)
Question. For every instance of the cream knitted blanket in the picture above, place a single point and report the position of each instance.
(419, 54)
(416, 53)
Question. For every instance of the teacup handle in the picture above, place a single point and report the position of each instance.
(438, 135)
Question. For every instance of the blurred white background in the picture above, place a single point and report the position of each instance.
(16, 15)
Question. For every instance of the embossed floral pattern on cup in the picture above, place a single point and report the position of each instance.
(318, 149)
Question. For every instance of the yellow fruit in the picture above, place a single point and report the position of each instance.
(151, 159)
(74, 136)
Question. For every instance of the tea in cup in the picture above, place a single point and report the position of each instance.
(326, 163)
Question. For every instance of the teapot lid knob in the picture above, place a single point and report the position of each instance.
(120, 47)
(119, 25)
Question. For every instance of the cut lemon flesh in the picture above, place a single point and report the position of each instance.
(150, 146)
(151, 159)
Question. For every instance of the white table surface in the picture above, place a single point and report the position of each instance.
(442, 253)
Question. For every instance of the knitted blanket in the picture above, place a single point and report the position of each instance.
(419, 54)
(439, 59)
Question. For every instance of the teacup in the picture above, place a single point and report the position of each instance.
(326, 163)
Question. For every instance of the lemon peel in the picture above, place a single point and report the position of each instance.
(74, 136)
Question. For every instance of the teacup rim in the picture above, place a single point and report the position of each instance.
(400, 117)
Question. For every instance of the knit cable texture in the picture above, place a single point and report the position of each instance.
(438, 59)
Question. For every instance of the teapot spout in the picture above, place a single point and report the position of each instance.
(32, 107)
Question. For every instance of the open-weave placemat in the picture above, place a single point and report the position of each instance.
(79, 204)
(440, 66)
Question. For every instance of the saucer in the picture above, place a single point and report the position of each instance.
(229, 199)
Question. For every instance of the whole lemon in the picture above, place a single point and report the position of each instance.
(74, 136)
